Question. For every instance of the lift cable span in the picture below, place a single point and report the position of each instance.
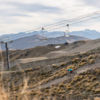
(69, 21)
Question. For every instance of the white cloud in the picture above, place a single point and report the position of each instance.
(94, 3)
(22, 15)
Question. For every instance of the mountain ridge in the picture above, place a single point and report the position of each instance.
(38, 40)
(91, 34)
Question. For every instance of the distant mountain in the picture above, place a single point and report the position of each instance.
(38, 40)
(25, 34)
(91, 34)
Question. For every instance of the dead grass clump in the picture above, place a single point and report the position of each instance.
(69, 87)
(97, 71)
(82, 64)
(3, 94)
(62, 85)
(75, 60)
(92, 56)
(61, 91)
(63, 64)
(84, 60)
(91, 61)
(55, 66)
(97, 98)
(71, 67)
(97, 90)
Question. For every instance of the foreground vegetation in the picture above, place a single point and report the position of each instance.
(28, 83)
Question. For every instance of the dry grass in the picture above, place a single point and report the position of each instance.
(3, 94)
(83, 84)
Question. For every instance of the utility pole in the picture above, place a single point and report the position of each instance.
(7, 54)
(6, 59)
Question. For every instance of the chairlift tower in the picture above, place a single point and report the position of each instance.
(67, 27)
(66, 34)
(43, 29)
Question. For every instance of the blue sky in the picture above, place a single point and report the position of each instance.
(22, 15)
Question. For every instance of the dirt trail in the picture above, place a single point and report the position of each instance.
(24, 61)
(27, 60)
